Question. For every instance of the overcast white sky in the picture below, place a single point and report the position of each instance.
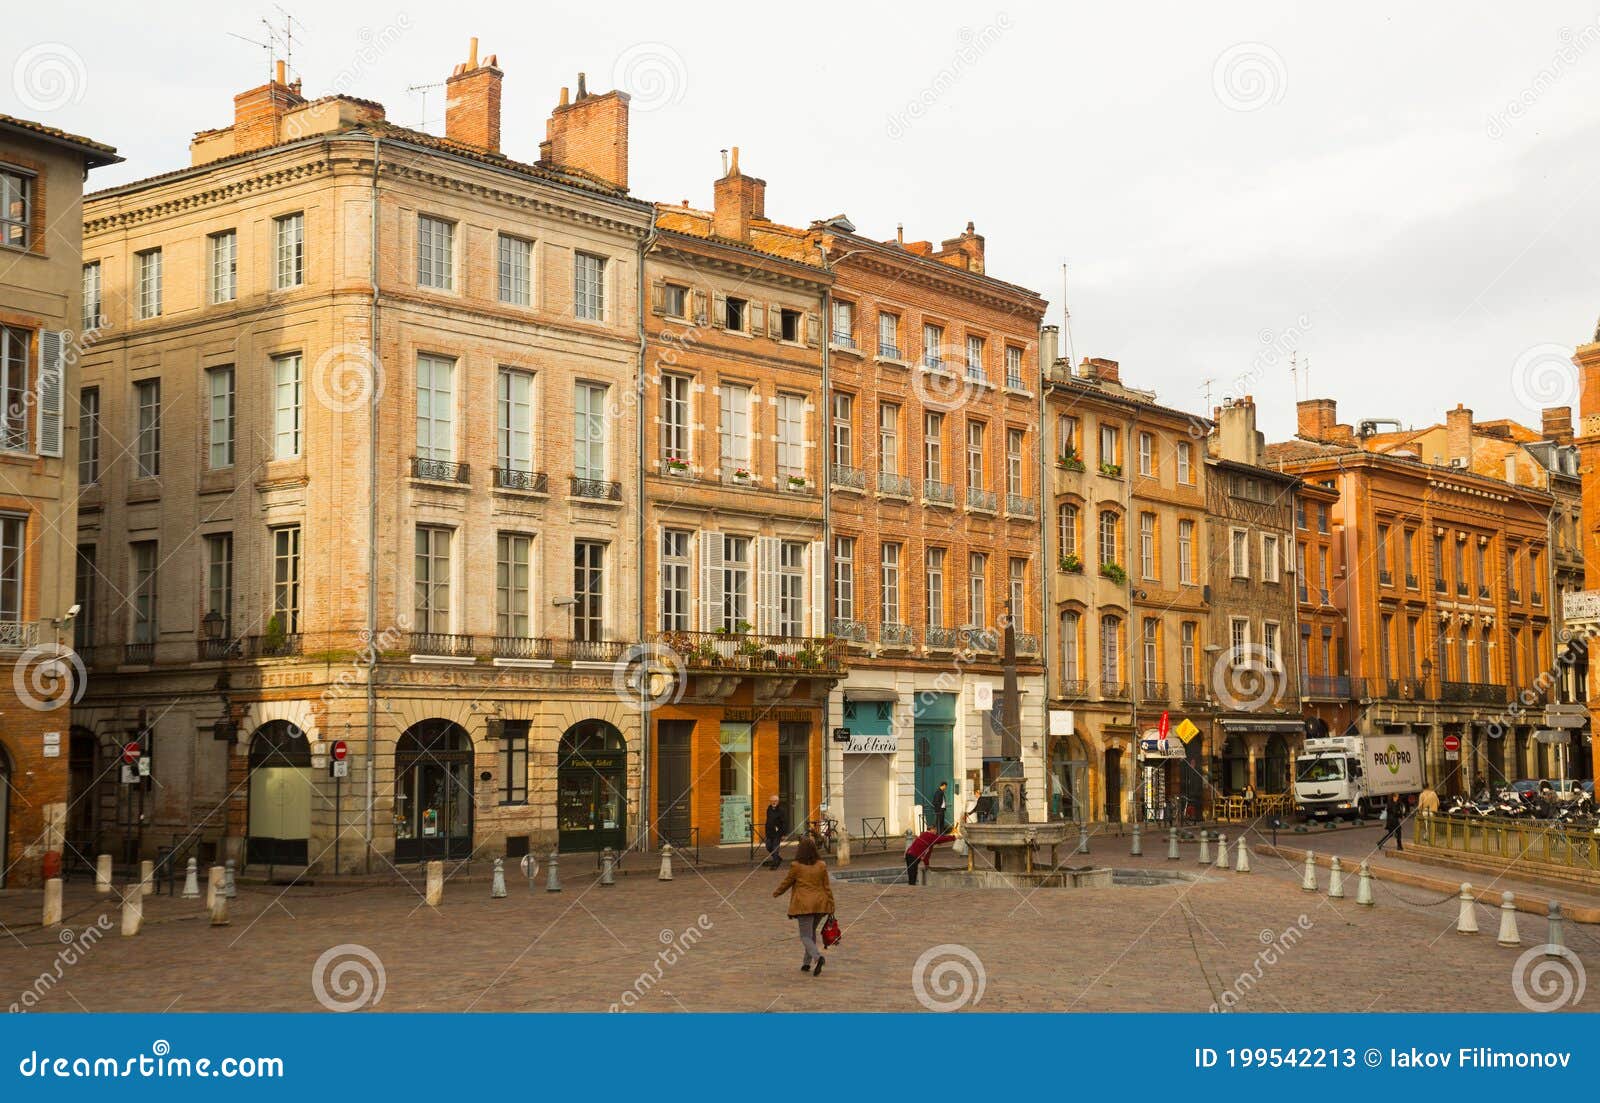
(1224, 180)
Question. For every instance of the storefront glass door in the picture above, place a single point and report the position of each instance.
(433, 793)
(734, 770)
(592, 788)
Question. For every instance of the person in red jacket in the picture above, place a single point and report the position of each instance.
(921, 850)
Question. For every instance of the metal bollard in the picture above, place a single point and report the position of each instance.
(1364, 886)
(1308, 880)
(102, 874)
(1467, 921)
(1205, 848)
(1138, 845)
(1222, 850)
(52, 902)
(191, 880)
(1242, 864)
(1555, 943)
(1172, 844)
(666, 863)
(1336, 880)
(435, 884)
(608, 866)
(1083, 838)
(132, 911)
(497, 883)
(230, 888)
(1508, 936)
(552, 881)
(147, 878)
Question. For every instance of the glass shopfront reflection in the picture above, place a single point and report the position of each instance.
(592, 788)
(433, 792)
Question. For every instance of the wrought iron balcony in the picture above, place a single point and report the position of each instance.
(1027, 644)
(891, 634)
(509, 478)
(941, 639)
(1536, 599)
(1333, 686)
(851, 478)
(1072, 688)
(845, 340)
(440, 471)
(591, 651)
(600, 490)
(1483, 592)
(1439, 586)
(18, 635)
(276, 646)
(441, 643)
(1385, 578)
(892, 485)
(1513, 595)
(138, 654)
(935, 492)
(852, 631)
(734, 651)
(1113, 690)
(888, 352)
(981, 639)
(208, 650)
(980, 500)
(1153, 692)
(1473, 693)
(1405, 689)
(1411, 581)
(1020, 505)
(1462, 589)
(522, 647)
(1194, 693)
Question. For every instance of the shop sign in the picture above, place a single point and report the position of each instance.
(871, 744)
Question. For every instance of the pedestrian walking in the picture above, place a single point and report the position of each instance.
(940, 795)
(776, 827)
(810, 900)
(1428, 801)
(1394, 816)
(921, 850)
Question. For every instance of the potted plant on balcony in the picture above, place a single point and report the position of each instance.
(706, 655)
(676, 466)
(1071, 563)
(1114, 572)
(1068, 460)
(1113, 470)
(809, 657)
(797, 482)
(272, 641)
(743, 475)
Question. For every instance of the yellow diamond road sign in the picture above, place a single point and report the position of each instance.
(1186, 730)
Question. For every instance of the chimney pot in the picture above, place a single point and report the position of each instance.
(738, 200)
(583, 85)
(280, 72)
(472, 54)
(472, 103)
(589, 134)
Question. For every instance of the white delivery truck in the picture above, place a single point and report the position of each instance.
(1348, 776)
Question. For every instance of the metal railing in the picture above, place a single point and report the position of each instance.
(601, 490)
(279, 646)
(844, 340)
(509, 478)
(208, 650)
(138, 654)
(888, 352)
(1530, 845)
(1513, 594)
(938, 493)
(1194, 693)
(1020, 505)
(941, 639)
(1325, 685)
(1153, 692)
(981, 639)
(1072, 688)
(1113, 690)
(441, 643)
(852, 478)
(1405, 689)
(893, 485)
(1478, 693)
(1027, 644)
(440, 471)
(895, 635)
(852, 631)
(1385, 578)
(982, 500)
(15, 634)
(522, 647)
(590, 651)
(758, 653)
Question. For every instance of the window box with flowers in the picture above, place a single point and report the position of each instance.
(1071, 564)
(1111, 470)
(796, 482)
(1114, 572)
(674, 466)
(743, 476)
(1069, 461)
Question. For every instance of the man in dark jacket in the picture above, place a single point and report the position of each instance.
(776, 827)
(939, 796)
(1394, 817)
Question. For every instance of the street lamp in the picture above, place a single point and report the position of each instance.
(214, 624)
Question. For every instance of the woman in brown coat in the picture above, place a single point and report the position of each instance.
(810, 901)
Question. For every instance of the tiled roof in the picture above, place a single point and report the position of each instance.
(95, 153)
(770, 238)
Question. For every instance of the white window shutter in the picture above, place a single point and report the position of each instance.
(774, 321)
(756, 324)
(710, 581)
(699, 308)
(51, 343)
(813, 330)
(818, 602)
(719, 310)
(767, 585)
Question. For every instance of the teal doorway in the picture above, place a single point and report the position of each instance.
(934, 727)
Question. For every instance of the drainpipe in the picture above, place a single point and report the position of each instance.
(824, 334)
(1048, 570)
(372, 512)
(645, 788)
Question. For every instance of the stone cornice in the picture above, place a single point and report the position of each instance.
(175, 203)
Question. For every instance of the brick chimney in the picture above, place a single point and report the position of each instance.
(1107, 371)
(258, 113)
(965, 251)
(589, 134)
(1458, 436)
(1316, 418)
(1236, 434)
(472, 102)
(1557, 424)
(739, 201)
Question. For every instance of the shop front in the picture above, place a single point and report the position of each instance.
(1069, 779)
(432, 792)
(933, 730)
(592, 788)
(280, 791)
(869, 767)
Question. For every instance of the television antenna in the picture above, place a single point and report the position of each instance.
(279, 40)
(421, 90)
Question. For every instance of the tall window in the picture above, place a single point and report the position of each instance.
(934, 579)
(15, 344)
(286, 576)
(675, 390)
(975, 434)
(844, 447)
(1238, 553)
(13, 567)
(1189, 652)
(791, 588)
(436, 438)
(733, 425)
(588, 587)
(222, 283)
(1014, 368)
(1409, 566)
(286, 406)
(219, 576)
(844, 324)
(513, 555)
(16, 208)
(145, 595)
(515, 258)
(1270, 564)
(1067, 528)
(88, 436)
(675, 580)
(148, 284)
(1272, 645)
(589, 430)
(589, 286)
(791, 436)
(735, 582)
(889, 438)
(436, 251)
(1018, 604)
(888, 335)
(889, 584)
(974, 357)
(844, 578)
(933, 447)
(514, 420)
(978, 590)
(93, 305)
(1067, 436)
(219, 383)
(432, 583)
(514, 762)
(1385, 645)
(1147, 545)
(1302, 583)
(1323, 574)
(1185, 463)
(1109, 544)
(1014, 462)
(1150, 646)
(1239, 640)
(147, 403)
(1111, 650)
(289, 247)
(933, 347)
(1110, 452)
(83, 625)
(1186, 558)
(1071, 648)
(1147, 454)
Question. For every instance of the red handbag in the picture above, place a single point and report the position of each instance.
(831, 934)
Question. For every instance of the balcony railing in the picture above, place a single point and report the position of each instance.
(1027, 644)
(892, 485)
(888, 352)
(1411, 581)
(981, 500)
(1385, 578)
(600, 490)
(1513, 595)
(1439, 586)
(1536, 599)
(1194, 693)
(891, 634)
(441, 643)
(208, 650)
(1113, 690)
(138, 654)
(938, 493)
(1405, 689)
(1152, 692)
(756, 653)
(941, 639)
(981, 639)
(591, 651)
(852, 478)
(440, 471)
(852, 631)
(522, 647)
(845, 340)
(1462, 589)
(1483, 592)
(1474, 693)
(16, 634)
(1020, 505)
(509, 478)
(1335, 686)
(1072, 688)
(277, 646)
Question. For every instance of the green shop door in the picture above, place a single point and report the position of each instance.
(934, 727)
(592, 788)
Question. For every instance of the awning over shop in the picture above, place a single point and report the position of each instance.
(1276, 727)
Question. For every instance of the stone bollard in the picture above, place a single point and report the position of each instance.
(608, 866)
(1555, 942)
(1508, 935)
(1205, 848)
(1308, 880)
(844, 847)
(213, 886)
(1083, 838)
(1336, 880)
(1172, 844)
(1242, 864)
(52, 902)
(219, 910)
(497, 883)
(435, 884)
(147, 878)
(552, 881)
(102, 874)
(1222, 850)
(1467, 921)
(1138, 844)
(191, 881)
(1364, 886)
(132, 912)
(230, 887)
(666, 863)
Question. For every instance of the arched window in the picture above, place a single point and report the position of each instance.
(1111, 650)
(1110, 545)
(1067, 526)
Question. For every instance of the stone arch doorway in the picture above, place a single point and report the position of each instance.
(592, 788)
(1069, 779)
(433, 792)
(1113, 783)
(281, 786)
(1273, 767)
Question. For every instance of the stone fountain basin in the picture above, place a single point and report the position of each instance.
(1019, 834)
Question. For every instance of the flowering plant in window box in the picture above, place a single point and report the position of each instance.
(676, 466)
(1071, 564)
(1069, 462)
(797, 482)
(743, 474)
(1114, 572)
(1114, 470)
